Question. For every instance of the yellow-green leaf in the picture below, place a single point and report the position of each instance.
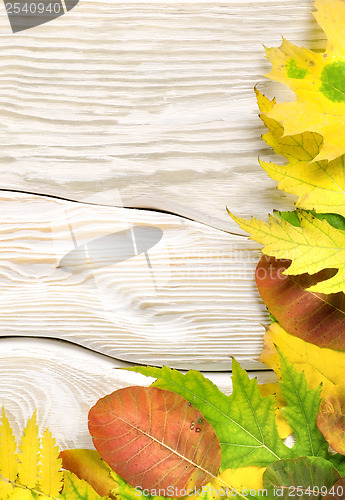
(319, 364)
(77, 489)
(313, 246)
(319, 185)
(318, 80)
(50, 480)
(28, 458)
(8, 449)
(273, 389)
(88, 465)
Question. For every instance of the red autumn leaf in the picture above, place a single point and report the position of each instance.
(313, 317)
(331, 418)
(155, 439)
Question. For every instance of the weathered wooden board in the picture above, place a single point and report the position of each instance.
(63, 384)
(191, 301)
(136, 104)
(154, 99)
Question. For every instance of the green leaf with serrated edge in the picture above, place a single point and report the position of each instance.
(244, 422)
(300, 476)
(301, 412)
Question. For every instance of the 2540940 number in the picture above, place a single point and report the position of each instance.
(315, 491)
(28, 8)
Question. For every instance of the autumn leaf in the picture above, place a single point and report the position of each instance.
(312, 246)
(304, 477)
(50, 476)
(319, 365)
(273, 389)
(88, 465)
(77, 489)
(155, 439)
(317, 79)
(242, 478)
(34, 472)
(313, 317)
(245, 421)
(319, 185)
(8, 451)
(337, 492)
(301, 411)
(331, 418)
(29, 457)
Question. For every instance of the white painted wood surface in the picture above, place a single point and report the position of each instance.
(194, 308)
(137, 104)
(153, 99)
(64, 383)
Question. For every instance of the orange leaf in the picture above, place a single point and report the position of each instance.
(331, 418)
(155, 440)
(88, 465)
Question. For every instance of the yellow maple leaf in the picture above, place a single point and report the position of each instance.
(318, 80)
(313, 246)
(8, 449)
(319, 364)
(318, 184)
(29, 457)
(50, 477)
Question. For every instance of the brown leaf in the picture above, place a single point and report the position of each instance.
(155, 439)
(313, 317)
(337, 492)
(331, 418)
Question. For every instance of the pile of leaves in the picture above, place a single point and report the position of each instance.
(182, 437)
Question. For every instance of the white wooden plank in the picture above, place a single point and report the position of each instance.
(195, 307)
(63, 382)
(154, 99)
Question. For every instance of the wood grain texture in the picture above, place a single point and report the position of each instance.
(153, 99)
(195, 307)
(63, 384)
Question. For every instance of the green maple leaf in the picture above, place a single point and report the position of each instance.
(319, 185)
(301, 412)
(244, 422)
(313, 246)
